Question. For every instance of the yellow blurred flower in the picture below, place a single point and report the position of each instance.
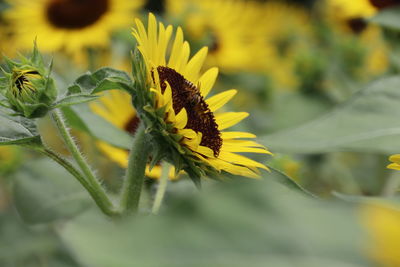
(9, 158)
(377, 51)
(382, 223)
(287, 32)
(246, 35)
(68, 25)
(224, 26)
(359, 8)
(351, 9)
(7, 41)
(348, 19)
(116, 107)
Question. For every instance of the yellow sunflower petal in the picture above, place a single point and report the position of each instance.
(233, 169)
(156, 171)
(181, 119)
(228, 119)
(183, 58)
(244, 149)
(117, 155)
(233, 135)
(239, 159)
(163, 39)
(395, 158)
(207, 81)
(152, 31)
(394, 166)
(205, 151)
(194, 65)
(219, 100)
(176, 48)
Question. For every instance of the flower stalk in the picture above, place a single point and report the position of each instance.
(161, 189)
(135, 173)
(93, 185)
(99, 200)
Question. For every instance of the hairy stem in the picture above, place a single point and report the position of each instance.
(94, 183)
(135, 173)
(81, 179)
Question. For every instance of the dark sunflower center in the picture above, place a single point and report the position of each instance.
(200, 118)
(357, 25)
(75, 14)
(384, 3)
(132, 125)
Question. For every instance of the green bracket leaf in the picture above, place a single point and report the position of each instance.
(74, 100)
(84, 90)
(15, 130)
(101, 80)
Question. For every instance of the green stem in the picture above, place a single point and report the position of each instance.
(135, 172)
(81, 179)
(162, 188)
(83, 165)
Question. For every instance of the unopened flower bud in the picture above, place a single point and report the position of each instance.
(28, 89)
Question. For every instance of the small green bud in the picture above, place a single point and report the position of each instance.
(28, 89)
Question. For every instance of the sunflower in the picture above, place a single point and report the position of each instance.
(68, 25)
(232, 48)
(177, 107)
(347, 19)
(116, 107)
(285, 42)
(355, 12)
(352, 9)
(224, 26)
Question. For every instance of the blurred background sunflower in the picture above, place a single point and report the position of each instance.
(67, 25)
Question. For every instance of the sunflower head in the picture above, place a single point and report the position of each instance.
(171, 99)
(27, 87)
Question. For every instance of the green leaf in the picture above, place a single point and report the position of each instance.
(45, 192)
(73, 100)
(81, 117)
(253, 223)
(101, 80)
(368, 200)
(389, 18)
(285, 180)
(24, 246)
(18, 243)
(368, 122)
(15, 130)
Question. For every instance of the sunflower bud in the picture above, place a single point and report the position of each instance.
(28, 89)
